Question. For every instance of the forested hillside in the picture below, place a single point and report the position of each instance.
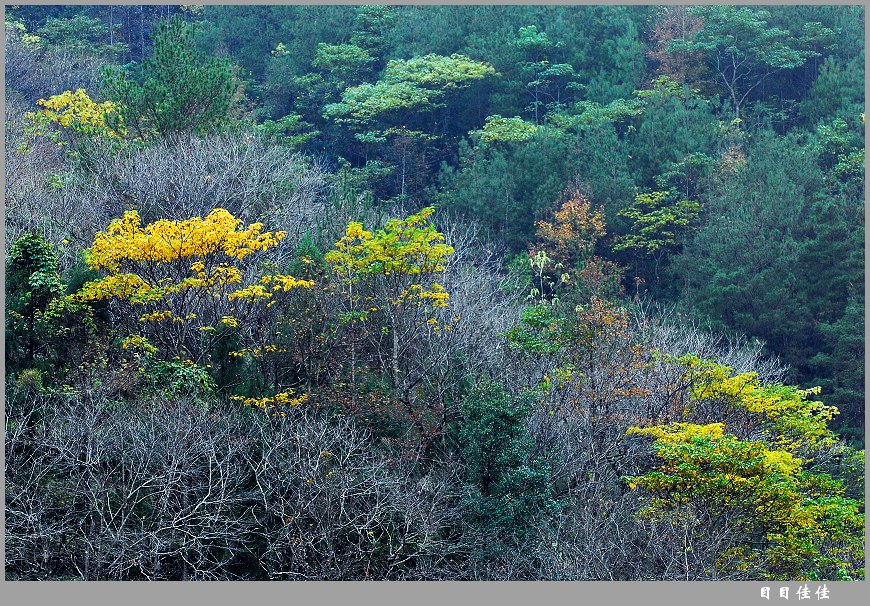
(434, 292)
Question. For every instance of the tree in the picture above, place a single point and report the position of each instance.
(510, 488)
(176, 90)
(575, 230)
(188, 285)
(785, 523)
(545, 79)
(81, 34)
(836, 92)
(676, 137)
(79, 120)
(687, 67)
(743, 50)
(395, 108)
(757, 501)
(507, 180)
(41, 324)
(32, 282)
(657, 221)
(372, 25)
(389, 297)
(396, 263)
(562, 253)
(777, 257)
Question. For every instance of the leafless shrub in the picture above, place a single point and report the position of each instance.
(675, 334)
(105, 490)
(33, 168)
(34, 71)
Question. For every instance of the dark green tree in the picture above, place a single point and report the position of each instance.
(177, 90)
(510, 490)
(743, 49)
(43, 327)
(32, 282)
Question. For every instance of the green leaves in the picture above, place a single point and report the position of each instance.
(743, 49)
(438, 72)
(788, 523)
(505, 130)
(414, 85)
(361, 105)
(290, 130)
(657, 221)
(40, 322)
(345, 62)
(510, 490)
(179, 90)
(540, 330)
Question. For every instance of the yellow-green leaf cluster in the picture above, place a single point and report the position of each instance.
(790, 418)
(404, 247)
(790, 523)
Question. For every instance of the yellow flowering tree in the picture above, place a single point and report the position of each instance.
(74, 116)
(391, 272)
(786, 416)
(184, 286)
(757, 497)
(769, 517)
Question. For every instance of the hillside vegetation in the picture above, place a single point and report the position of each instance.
(434, 293)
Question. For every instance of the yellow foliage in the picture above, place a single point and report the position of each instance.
(793, 421)
(267, 403)
(185, 271)
(78, 112)
(166, 241)
(405, 247)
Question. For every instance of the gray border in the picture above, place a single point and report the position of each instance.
(712, 594)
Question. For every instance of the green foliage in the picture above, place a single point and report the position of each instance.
(676, 138)
(372, 24)
(506, 185)
(81, 34)
(417, 84)
(790, 523)
(657, 220)
(837, 92)
(743, 49)
(43, 328)
(777, 258)
(174, 379)
(362, 104)
(508, 130)
(540, 330)
(510, 489)
(344, 62)
(438, 72)
(290, 131)
(176, 90)
(743, 33)
(32, 283)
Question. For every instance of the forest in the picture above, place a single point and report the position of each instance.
(434, 293)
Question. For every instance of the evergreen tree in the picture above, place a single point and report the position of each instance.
(176, 90)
